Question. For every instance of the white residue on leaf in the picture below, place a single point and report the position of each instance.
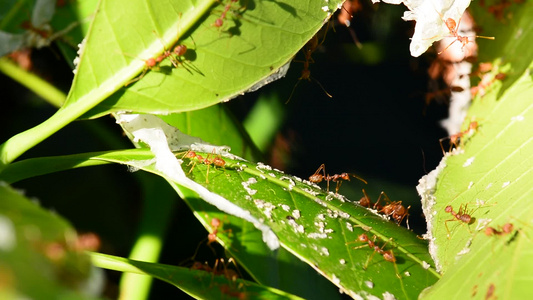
(321, 217)
(296, 214)
(285, 207)
(470, 184)
(266, 207)
(482, 223)
(469, 161)
(246, 184)
(298, 228)
(261, 166)
(369, 284)
(518, 118)
(8, 237)
(317, 235)
(349, 226)
(388, 296)
(324, 251)
(161, 137)
(335, 279)
(465, 250)
(272, 175)
(488, 186)
(506, 184)
(76, 61)
(291, 182)
(342, 261)
(426, 189)
(407, 274)
(425, 265)
(344, 215)
(332, 213)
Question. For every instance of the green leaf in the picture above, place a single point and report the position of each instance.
(39, 257)
(492, 174)
(320, 234)
(200, 283)
(257, 38)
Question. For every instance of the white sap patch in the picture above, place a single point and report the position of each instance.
(506, 184)
(247, 184)
(349, 226)
(285, 207)
(8, 237)
(425, 265)
(369, 284)
(518, 118)
(317, 235)
(296, 214)
(469, 161)
(470, 184)
(388, 296)
(324, 251)
(335, 279)
(407, 274)
(298, 228)
(342, 261)
(162, 139)
(426, 190)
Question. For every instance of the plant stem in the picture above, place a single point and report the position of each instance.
(34, 83)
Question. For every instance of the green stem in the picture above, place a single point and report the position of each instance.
(33, 82)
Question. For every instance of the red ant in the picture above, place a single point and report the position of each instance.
(505, 229)
(366, 202)
(308, 51)
(216, 224)
(485, 83)
(387, 255)
(220, 21)
(234, 293)
(345, 17)
(462, 216)
(394, 209)
(153, 63)
(217, 161)
(455, 138)
(453, 27)
(317, 178)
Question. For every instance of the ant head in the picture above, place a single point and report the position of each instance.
(448, 209)
(363, 238)
(215, 222)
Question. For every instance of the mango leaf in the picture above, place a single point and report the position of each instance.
(207, 282)
(256, 39)
(318, 227)
(39, 254)
(489, 179)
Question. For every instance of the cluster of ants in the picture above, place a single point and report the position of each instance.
(177, 54)
(455, 139)
(393, 209)
(220, 267)
(211, 159)
(465, 217)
